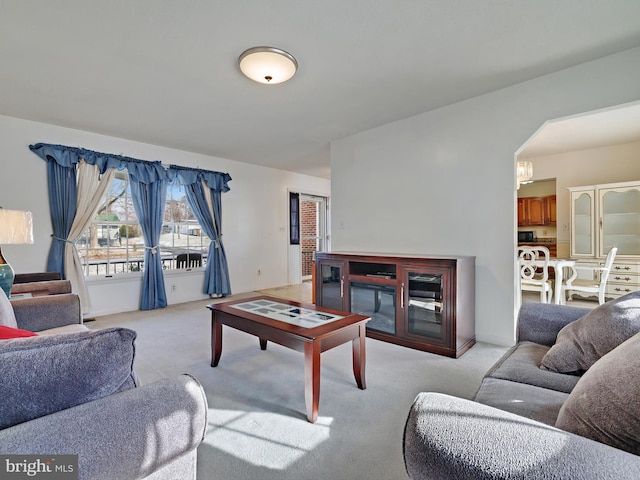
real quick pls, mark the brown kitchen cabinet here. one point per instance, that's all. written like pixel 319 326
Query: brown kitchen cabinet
pixel 537 211
pixel 421 302
pixel 550 205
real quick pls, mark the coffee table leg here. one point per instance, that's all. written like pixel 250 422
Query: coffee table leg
pixel 312 379
pixel 359 357
pixel 216 340
pixel 263 344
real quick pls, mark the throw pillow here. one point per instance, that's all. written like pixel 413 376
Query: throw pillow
pixel 10 332
pixel 604 404
pixel 49 373
pixel 583 342
pixel 7 317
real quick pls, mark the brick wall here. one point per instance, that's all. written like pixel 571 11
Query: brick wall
pixel 308 227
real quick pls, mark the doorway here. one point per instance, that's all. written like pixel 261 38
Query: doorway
pixel 313 231
pixel 590 148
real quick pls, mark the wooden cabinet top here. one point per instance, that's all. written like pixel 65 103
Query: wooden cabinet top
pixel 393 257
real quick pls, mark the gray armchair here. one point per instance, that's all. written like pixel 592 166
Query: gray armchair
pixel 77 394
pixel 147 432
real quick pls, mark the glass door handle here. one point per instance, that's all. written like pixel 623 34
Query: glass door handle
pixel 402 296
pixel 342 287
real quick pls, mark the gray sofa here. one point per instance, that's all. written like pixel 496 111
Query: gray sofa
pixel 523 423
pixel 76 393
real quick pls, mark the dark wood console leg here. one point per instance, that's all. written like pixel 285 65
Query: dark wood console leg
pixel 216 340
pixel 312 379
pixel 358 347
pixel 263 344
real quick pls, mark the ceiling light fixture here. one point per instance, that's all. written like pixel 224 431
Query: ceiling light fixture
pixel 524 173
pixel 267 65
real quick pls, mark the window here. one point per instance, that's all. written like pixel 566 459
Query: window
pixel 182 236
pixel 114 243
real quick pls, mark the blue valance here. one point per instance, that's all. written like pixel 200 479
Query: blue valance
pixel 142 171
pixel 216 181
pixel 69 156
pixel 145 172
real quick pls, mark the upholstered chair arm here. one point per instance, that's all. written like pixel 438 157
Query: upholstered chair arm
pixel 53 287
pixel 447 437
pixel 147 432
pixel 42 313
pixel 541 322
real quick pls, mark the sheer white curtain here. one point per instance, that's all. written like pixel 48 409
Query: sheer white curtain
pixel 91 188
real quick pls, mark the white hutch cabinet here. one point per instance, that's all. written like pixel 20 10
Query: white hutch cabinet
pixel 606 216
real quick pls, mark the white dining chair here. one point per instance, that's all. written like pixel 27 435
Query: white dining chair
pixel 596 281
pixel 533 263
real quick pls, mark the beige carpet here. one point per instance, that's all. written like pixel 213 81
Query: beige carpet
pixel 257 422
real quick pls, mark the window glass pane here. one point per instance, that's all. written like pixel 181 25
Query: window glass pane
pixel 182 236
pixel 114 243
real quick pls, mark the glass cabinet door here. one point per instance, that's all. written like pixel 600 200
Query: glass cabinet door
pixel 620 220
pixel 582 231
pixel 331 285
pixel 423 292
pixel 375 301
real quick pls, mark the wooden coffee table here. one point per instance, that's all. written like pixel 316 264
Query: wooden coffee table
pixel 301 327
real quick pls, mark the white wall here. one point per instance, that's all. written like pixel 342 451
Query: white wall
pixel 615 163
pixel 255 212
pixel 443 182
pixel 539 188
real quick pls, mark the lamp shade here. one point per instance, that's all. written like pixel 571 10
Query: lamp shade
pixel 16 227
pixel 267 65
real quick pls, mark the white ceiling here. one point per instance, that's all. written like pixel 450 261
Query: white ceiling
pixel 165 71
pixel 595 129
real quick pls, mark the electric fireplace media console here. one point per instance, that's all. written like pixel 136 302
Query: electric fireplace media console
pixel 421 302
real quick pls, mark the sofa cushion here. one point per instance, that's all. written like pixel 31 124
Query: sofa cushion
pixel 522 364
pixel 10 332
pixel 536 403
pixel 73 328
pixel 583 342
pixel 604 405
pixel 48 373
pixel 7 317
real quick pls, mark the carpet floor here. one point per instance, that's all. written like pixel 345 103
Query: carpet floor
pixel 257 422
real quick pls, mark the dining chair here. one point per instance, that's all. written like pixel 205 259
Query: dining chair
pixel 533 263
pixel 189 260
pixel 597 283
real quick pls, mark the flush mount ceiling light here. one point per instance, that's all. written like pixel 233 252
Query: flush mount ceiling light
pixel 267 65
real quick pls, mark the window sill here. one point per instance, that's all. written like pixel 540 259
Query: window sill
pixel 136 276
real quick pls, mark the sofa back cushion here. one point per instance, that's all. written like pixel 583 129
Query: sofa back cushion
pixel 604 404
pixel 7 317
pixel 49 373
pixel 583 342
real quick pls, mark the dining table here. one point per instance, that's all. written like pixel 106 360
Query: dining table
pixel 558 265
